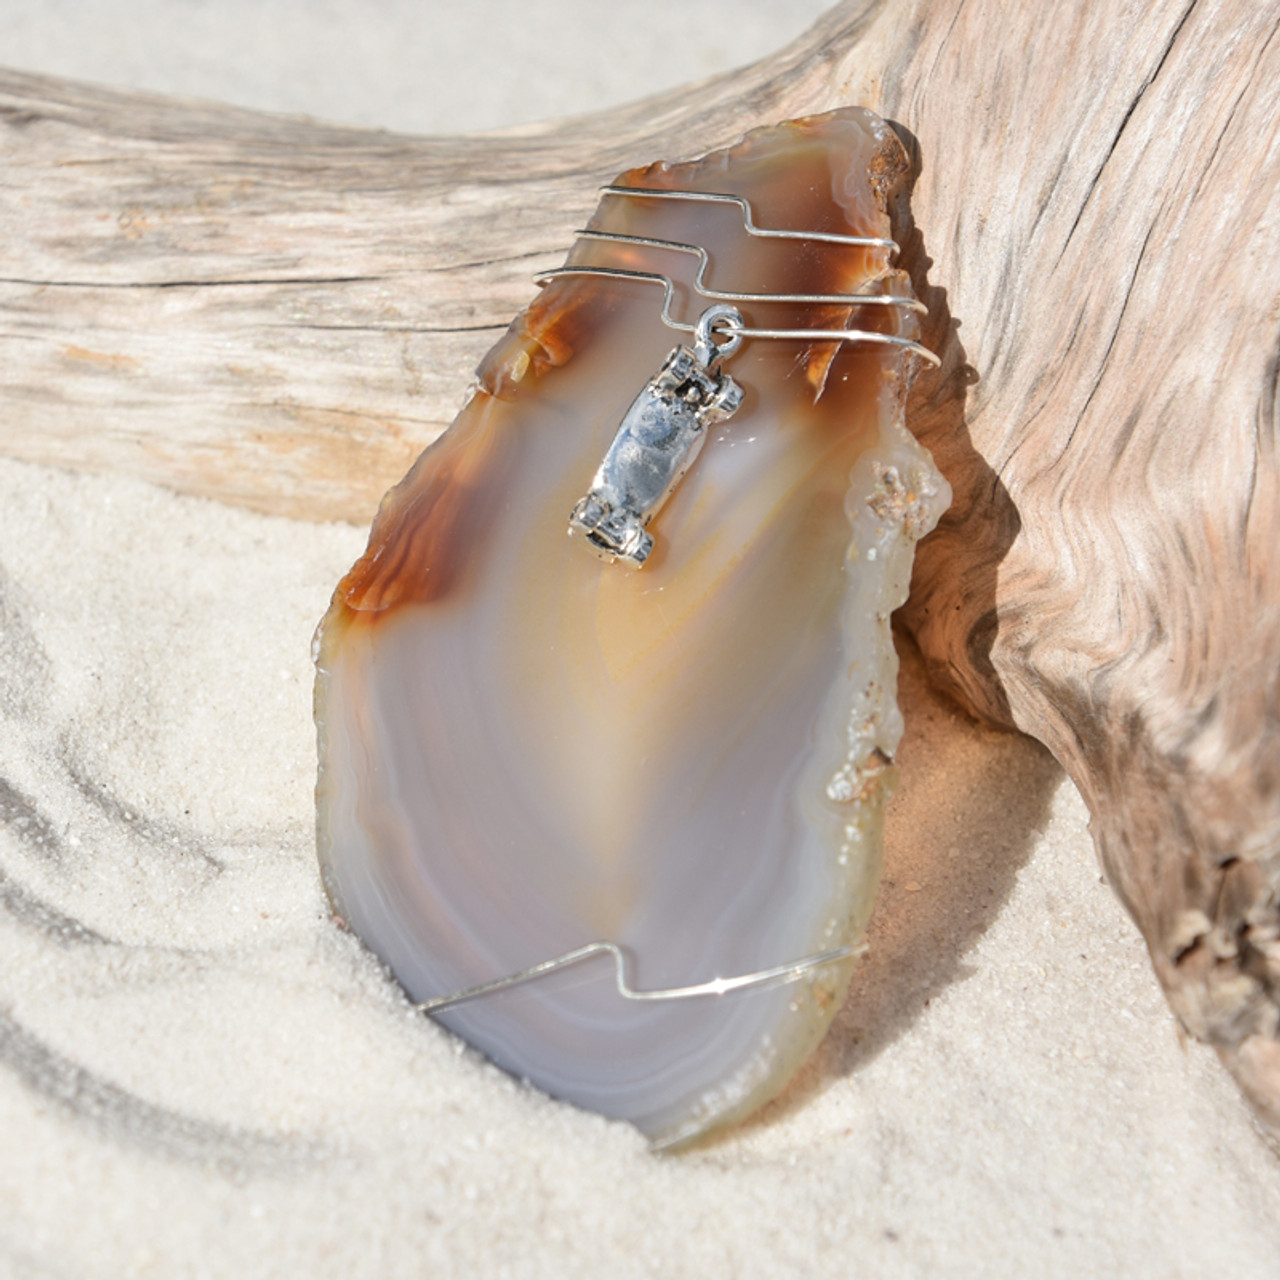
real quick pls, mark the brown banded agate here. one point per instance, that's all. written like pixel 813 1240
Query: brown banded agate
pixel 524 749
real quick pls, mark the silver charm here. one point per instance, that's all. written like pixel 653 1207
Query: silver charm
pixel 660 436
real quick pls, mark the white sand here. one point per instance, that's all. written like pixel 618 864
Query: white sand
pixel 201 1076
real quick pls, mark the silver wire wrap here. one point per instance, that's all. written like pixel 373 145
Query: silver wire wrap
pixel 777 976
pixel 728 327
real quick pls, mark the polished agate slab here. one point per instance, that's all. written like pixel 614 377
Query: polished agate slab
pixel 525 749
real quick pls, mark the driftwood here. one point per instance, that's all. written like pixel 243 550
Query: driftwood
pixel 281 314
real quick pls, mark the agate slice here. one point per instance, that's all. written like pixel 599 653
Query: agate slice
pixel 525 749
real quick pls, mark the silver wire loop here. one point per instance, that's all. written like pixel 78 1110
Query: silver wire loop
pixel 777 976
pixel 721 322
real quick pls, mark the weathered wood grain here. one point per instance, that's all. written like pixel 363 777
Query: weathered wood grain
pixel 279 313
